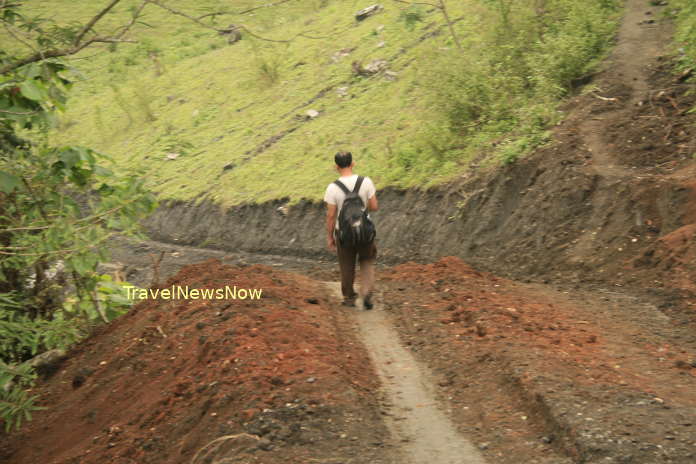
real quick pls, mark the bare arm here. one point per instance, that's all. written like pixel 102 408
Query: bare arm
pixel 330 224
pixel 372 203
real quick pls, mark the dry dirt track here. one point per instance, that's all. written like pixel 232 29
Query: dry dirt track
pixel 415 417
pixel 513 372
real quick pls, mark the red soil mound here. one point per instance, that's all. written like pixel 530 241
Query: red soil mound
pixel 171 376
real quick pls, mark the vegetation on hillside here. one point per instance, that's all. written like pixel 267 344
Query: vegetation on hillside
pixel 684 12
pixel 59 205
pixel 201 118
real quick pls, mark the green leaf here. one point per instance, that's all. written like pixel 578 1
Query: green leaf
pixel 70 157
pixel 9 182
pixel 31 90
pixel 32 70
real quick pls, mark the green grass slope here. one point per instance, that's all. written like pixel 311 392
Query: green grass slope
pixel 201 118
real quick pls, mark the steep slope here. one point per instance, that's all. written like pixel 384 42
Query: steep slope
pixel 606 201
pixel 413 96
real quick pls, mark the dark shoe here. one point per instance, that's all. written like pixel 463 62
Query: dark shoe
pixel 350 302
pixel 367 302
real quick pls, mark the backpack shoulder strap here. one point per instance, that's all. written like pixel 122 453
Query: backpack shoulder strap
pixel 358 183
pixel 342 186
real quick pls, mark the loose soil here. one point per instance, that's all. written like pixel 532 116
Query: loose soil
pixel 532 371
pixel 275 380
pixel 588 356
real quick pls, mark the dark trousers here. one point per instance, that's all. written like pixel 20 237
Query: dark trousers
pixel 366 255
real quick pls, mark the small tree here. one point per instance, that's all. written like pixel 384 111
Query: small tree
pixel 58 207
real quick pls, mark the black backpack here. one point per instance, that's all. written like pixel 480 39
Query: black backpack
pixel 354 226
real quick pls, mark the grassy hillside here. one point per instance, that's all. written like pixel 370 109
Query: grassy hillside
pixel 204 119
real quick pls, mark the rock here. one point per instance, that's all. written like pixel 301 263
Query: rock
pixel 686 75
pixel 282 210
pixel 311 380
pixel 681 364
pixel 369 11
pixel 47 363
pixel 81 376
pixel 342 91
pixel 336 57
pixel 312 114
pixel 372 68
pixel 264 444
pixel 390 75
pixel 376 66
pixel 233 32
pixel 228 166
pixel 172 156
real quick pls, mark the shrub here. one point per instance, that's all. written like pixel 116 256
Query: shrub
pixel 509 84
pixel 411 16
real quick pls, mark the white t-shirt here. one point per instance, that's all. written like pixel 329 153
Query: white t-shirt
pixel 335 196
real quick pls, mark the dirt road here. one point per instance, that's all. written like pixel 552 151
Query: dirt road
pixel 454 364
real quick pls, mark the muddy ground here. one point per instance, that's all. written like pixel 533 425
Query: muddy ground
pixel 559 328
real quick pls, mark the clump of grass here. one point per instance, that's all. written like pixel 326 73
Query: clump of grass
pixel 684 12
pixel 412 16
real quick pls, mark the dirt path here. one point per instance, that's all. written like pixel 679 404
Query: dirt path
pixel 530 373
pixel 640 35
pixel 416 418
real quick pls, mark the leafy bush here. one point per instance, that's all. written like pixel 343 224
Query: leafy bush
pixel 507 85
pixel 58 207
pixel 16 405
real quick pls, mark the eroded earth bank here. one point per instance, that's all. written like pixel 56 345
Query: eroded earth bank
pixel 540 312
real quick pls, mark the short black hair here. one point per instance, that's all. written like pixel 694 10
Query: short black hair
pixel 343 159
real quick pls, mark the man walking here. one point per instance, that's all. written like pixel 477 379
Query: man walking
pixel 364 249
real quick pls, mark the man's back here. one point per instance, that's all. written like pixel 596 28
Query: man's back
pixel 365 252
pixel 335 196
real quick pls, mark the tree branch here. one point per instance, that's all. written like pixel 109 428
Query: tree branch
pixel 443 8
pixel 240 26
pixel 55 53
pixel 268 5
pixel 179 13
pixel 79 45
pixel 94 21
pixel 19 113
pixel 417 3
